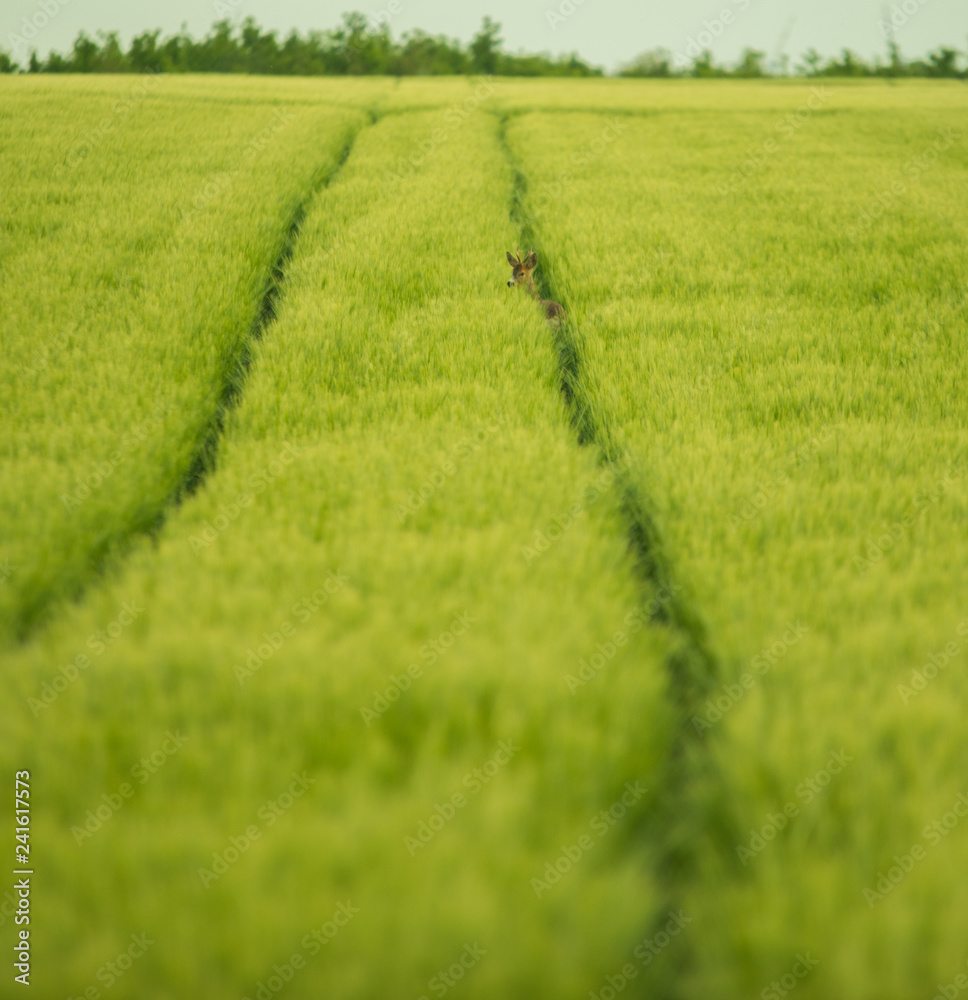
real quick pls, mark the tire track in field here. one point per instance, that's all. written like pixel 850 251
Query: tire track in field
pixel 237 368
pixel 36 611
pixel 691 665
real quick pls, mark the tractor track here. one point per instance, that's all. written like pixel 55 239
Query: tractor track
pixel 690 665
pixel 37 607
pixel 236 371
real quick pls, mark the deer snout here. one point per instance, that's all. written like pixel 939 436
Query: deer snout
pixel 510 282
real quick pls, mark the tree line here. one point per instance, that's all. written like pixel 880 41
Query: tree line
pixel 357 47
pixel 943 62
pixel 362 46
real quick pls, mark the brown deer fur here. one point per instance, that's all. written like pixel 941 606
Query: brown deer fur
pixel 522 275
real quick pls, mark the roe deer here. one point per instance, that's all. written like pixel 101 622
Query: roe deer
pixel 522 273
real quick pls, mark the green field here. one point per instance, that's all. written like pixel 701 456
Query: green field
pixel 391 642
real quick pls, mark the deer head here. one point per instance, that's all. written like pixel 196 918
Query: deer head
pixel 522 271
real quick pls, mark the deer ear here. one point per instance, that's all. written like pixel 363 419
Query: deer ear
pixel 531 261
pixel 512 260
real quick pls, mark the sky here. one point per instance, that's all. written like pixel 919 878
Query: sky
pixel 606 33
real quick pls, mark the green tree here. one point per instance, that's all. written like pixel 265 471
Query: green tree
pixel 143 52
pixel 85 54
pixel 260 51
pixel 655 63
pixel 850 65
pixel 895 65
pixel 943 62
pixel 811 65
pixel 217 52
pixel 110 56
pixel 703 65
pixel 486 47
pixel 750 64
